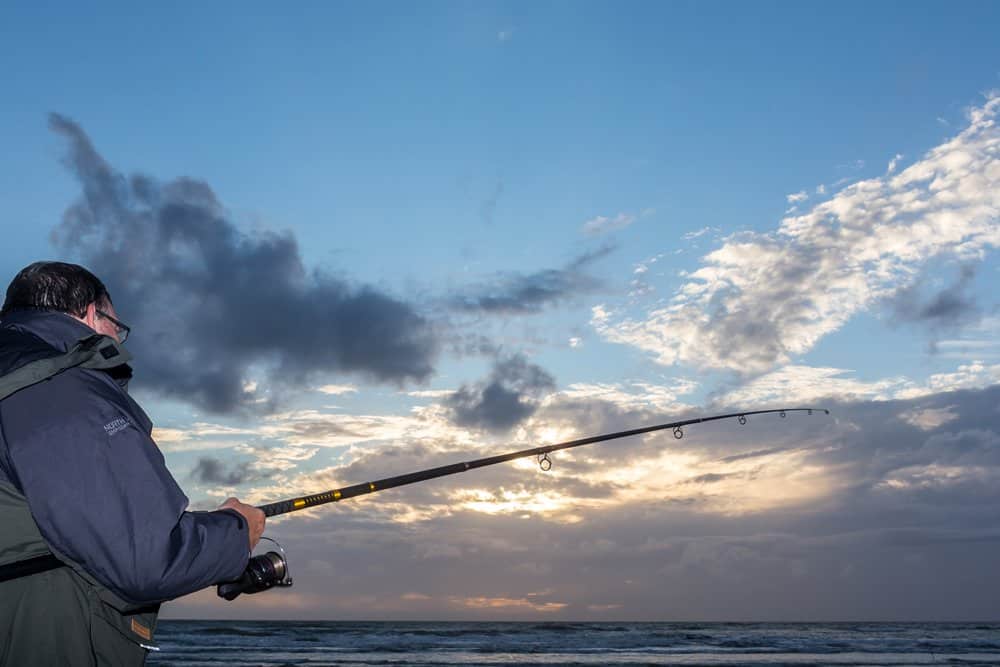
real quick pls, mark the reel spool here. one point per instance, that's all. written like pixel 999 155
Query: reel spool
pixel 262 572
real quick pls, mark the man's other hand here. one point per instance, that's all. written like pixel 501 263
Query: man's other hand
pixel 254 517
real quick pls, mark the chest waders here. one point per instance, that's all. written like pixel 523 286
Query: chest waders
pixel 95 626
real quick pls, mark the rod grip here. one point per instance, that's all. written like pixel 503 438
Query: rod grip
pixel 280 507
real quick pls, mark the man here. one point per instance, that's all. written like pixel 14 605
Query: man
pixel 81 479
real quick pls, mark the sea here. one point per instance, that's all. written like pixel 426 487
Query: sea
pixel 285 643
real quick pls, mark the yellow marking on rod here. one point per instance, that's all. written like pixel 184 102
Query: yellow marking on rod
pixel 371 486
pixel 299 503
pixel 336 495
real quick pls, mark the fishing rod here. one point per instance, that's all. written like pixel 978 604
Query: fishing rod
pixel 271 569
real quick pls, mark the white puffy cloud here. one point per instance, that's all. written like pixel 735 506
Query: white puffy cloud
pixel 797 197
pixel 603 224
pixel 928 419
pixel 661 397
pixel 804 384
pixel 333 429
pixel 699 232
pixel 199 436
pixel 975 375
pixel 762 298
pixel 430 393
pixel 337 389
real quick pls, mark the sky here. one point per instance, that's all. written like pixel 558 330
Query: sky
pixel 357 240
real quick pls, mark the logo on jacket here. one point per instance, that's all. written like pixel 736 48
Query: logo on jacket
pixel 116 425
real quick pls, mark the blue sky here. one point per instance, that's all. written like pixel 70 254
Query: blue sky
pixel 654 193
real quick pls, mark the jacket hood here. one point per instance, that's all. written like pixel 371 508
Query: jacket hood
pixel 57 330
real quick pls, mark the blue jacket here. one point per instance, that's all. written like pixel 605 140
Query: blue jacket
pixel 79 449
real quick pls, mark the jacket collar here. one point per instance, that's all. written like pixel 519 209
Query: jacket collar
pixel 59 330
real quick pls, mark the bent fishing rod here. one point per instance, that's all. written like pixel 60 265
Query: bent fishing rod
pixel 271 569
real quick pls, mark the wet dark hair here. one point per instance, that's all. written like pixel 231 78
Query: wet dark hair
pixel 67 288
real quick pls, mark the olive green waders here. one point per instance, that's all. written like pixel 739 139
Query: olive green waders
pixel 62 617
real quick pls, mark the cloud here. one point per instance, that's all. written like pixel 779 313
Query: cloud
pixel 893 163
pixel 198 436
pixel 430 393
pixel 208 301
pixel 279 458
pixel 788 503
pixel 659 397
pixel 974 375
pixel 797 197
pixel 530 293
pixel 507 397
pixel 761 298
pixel 323 429
pixel 690 236
pixel 336 389
pixel 508 603
pixel 928 419
pixel 603 225
pixel 712 477
pixel 754 454
pixel 948 309
pixel 810 384
pixel 415 596
pixel 977 342
pixel 871 511
pixel 210 470
pixel 638 285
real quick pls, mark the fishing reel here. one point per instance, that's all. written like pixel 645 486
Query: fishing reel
pixel 262 572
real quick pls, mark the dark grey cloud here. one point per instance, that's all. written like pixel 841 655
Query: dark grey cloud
pixel 713 477
pixel 510 294
pixel 466 344
pixel 210 470
pixel 752 455
pixel 208 301
pixel 507 397
pixel 946 309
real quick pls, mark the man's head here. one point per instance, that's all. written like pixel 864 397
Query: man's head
pixel 64 288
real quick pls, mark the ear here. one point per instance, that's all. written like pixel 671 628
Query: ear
pixel 90 316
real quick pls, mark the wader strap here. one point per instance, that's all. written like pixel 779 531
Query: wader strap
pixel 27 567
pixel 96 351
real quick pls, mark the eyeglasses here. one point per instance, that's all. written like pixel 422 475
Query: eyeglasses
pixel 121 328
